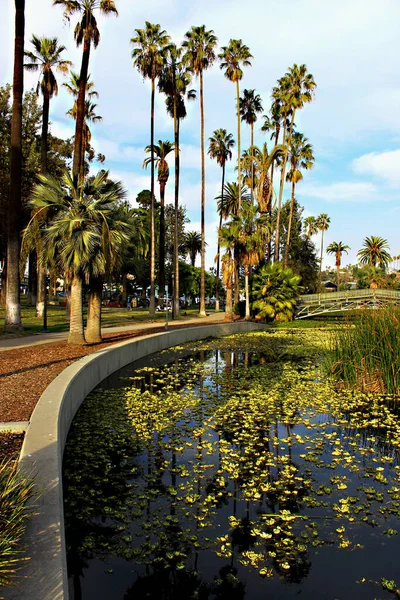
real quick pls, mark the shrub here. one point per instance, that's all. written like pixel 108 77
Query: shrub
pixel 366 355
pixel 15 491
pixel 240 308
pixel 275 292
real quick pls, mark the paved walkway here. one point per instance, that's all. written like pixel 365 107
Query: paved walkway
pixel 48 338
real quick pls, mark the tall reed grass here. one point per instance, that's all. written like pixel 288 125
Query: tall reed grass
pixel 15 491
pixel 365 354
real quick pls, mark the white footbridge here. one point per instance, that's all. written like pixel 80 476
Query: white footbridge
pixel 311 305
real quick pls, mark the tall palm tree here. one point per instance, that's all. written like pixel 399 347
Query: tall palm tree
pixel 311 225
pixel 161 151
pixel 192 245
pixel 250 105
pixel 219 149
pixel 300 157
pixel 374 251
pixel 199 47
pixel 45 57
pixel 294 90
pixel 76 233
pixel 233 58
pixel 228 202
pixel 86 32
pixel 174 81
pixel 228 241
pixel 262 161
pixel 149 54
pixel 337 248
pixel 322 223
pixel 13 307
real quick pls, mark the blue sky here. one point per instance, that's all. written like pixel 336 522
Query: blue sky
pixel 351 48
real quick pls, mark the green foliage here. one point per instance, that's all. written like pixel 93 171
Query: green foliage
pixel 366 355
pixel 15 492
pixel 374 252
pixel 275 291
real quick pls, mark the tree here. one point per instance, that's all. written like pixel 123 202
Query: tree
pixel 233 58
pixel 76 232
pixel 337 248
pixel 149 53
pixel 199 46
pixel 13 307
pixel 311 225
pixel 228 241
pixel 300 157
pixel 275 292
pixel 45 57
pixel 374 251
pixel 86 32
pixel 220 149
pixel 228 202
pixel 161 151
pixel 322 224
pixel 193 245
pixel 250 105
pixel 294 90
pixel 262 161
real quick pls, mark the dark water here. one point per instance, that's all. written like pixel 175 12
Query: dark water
pixel 211 490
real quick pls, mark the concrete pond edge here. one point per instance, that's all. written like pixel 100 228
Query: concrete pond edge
pixel 44 576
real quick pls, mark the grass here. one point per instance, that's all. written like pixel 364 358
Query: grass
pixel 15 491
pixel 365 354
pixel 56 320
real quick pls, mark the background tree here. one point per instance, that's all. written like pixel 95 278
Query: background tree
pixel 374 251
pixel 322 223
pixel 250 105
pixel 220 149
pixel 199 46
pixel 300 157
pixel 149 53
pixel 161 151
pixel 13 307
pixel 193 245
pixel 233 58
pixel 311 225
pixel 86 32
pixel 337 248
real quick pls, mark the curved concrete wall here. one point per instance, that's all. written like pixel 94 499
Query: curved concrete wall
pixel 45 575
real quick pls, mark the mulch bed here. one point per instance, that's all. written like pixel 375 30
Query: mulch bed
pixel 10 445
pixel 26 372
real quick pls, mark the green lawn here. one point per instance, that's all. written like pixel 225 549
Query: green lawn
pixel 111 317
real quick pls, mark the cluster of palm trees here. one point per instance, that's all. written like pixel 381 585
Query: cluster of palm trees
pixel 249 205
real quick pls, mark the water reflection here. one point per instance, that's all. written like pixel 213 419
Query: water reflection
pixel 215 477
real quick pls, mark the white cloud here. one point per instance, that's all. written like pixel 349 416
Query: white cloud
pixel 383 165
pixel 339 191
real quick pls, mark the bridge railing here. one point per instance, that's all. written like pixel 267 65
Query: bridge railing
pixel 349 295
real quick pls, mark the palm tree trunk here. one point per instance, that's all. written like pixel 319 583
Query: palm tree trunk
pixel 124 300
pixel 13 307
pixel 80 108
pixel 322 249
pixel 76 335
pixel 238 145
pixel 45 130
pixel 252 163
pixel 286 258
pixel 228 308
pixel 219 244
pixel 176 220
pixel 161 263
pixel 152 307
pixel 202 312
pixel 282 182
pixel 236 271
pixel 32 278
pixel 93 326
pixel 41 272
pixel 338 276
pixel 41 290
pixel 269 249
pixel 246 278
pixel 3 283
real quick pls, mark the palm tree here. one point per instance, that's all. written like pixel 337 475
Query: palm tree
pixel 228 241
pixel 300 157
pixel 294 90
pixel 193 245
pixel 149 54
pixel 311 225
pixel 174 82
pixel 13 307
pixel 250 105
pixel 374 251
pixel 86 32
pixel 262 161
pixel 337 248
pixel 219 149
pixel 45 57
pixel 199 46
pixel 233 58
pixel 228 202
pixel 76 236
pixel 322 223
pixel 161 150
pixel 276 290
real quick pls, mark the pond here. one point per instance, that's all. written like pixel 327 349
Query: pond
pixel 233 469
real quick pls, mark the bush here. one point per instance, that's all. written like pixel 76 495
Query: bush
pixel 240 308
pixel 275 290
pixel 15 491
pixel 366 356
